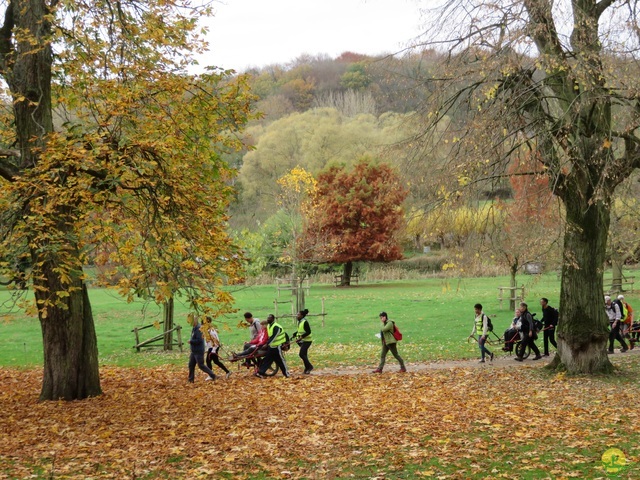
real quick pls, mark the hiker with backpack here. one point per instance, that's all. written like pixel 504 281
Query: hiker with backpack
pixel 549 324
pixel 614 314
pixel 482 326
pixel 529 334
pixel 389 336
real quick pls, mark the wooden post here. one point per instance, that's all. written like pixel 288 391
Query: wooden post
pixel 178 329
pixel 135 330
pixel 322 312
pixel 168 309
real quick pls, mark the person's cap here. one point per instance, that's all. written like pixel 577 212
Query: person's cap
pixel 383 314
pixel 620 297
pixel 607 298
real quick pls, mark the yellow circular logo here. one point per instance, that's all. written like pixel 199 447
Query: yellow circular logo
pixel 613 460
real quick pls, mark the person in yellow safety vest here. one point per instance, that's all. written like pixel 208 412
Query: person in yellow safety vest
pixel 627 317
pixel 481 329
pixel 303 339
pixel 277 338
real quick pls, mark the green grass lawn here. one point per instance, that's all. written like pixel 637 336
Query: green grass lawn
pixel 435 315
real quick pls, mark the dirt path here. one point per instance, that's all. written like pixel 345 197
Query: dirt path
pixel 501 361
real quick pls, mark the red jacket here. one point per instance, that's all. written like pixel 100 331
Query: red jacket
pixel 261 339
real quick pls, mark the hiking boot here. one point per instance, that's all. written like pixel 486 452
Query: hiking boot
pixel 209 378
pixel 518 359
pixel 537 357
pixel 624 350
pixel 491 357
pixel 610 352
pixel 228 374
pixel 481 360
pixel 403 370
pixel 377 370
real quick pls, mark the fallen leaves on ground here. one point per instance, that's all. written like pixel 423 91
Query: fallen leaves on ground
pixel 151 423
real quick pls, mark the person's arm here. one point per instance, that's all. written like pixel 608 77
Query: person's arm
pixel 387 327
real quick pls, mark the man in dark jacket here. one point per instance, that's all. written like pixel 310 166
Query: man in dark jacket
pixel 549 324
pixel 528 334
pixel 197 351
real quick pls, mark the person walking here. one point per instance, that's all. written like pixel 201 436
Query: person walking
pixel 254 325
pixel 196 343
pixel 277 338
pixel 213 346
pixel 627 317
pixel 549 324
pixel 529 335
pixel 303 339
pixel 614 315
pixel 389 343
pixel 481 328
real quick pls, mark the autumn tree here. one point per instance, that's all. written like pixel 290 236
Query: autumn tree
pixel 109 146
pixel 559 79
pixel 357 216
pixel 526 228
pixel 311 140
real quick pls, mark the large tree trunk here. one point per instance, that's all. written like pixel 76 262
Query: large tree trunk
pixel 70 347
pixel 346 274
pixel 583 326
pixel 69 339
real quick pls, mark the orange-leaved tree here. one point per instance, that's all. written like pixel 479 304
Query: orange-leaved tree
pixel 110 146
pixel 357 215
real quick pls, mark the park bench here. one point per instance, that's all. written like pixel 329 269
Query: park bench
pixel 353 279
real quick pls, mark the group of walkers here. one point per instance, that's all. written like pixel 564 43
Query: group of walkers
pixel 521 334
pixel 621 323
pixel 523 331
pixel 268 341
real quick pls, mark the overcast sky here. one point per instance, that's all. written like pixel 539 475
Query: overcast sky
pixel 255 33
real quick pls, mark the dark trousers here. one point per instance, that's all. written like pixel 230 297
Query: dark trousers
pixel 527 341
pixel 304 355
pixel 274 355
pixel 198 359
pixel 549 336
pixel 614 334
pixel 213 357
pixel 511 336
pixel 393 348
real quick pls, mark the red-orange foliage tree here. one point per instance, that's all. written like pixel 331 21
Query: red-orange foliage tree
pixel 356 216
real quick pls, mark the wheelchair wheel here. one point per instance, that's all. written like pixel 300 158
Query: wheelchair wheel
pixel 272 370
pixel 526 353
